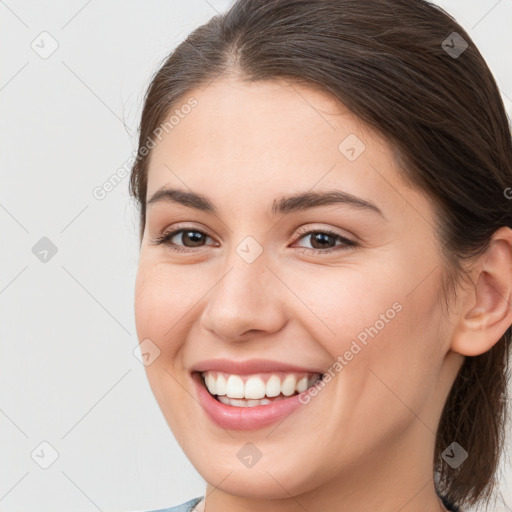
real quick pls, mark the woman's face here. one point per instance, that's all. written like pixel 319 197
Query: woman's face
pixel 358 298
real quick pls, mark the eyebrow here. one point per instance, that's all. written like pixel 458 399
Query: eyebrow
pixel 286 204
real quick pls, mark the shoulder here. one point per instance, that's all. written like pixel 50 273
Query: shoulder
pixel 184 507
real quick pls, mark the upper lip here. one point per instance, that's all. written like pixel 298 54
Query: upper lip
pixel 249 366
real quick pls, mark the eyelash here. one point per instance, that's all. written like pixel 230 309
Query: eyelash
pixel 165 238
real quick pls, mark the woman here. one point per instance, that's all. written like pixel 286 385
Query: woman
pixel 325 260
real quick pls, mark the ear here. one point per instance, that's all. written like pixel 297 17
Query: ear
pixel 487 305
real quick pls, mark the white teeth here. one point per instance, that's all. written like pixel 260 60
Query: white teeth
pixel 221 385
pixel 243 403
pixel 234 387
pixel 273 387
pixel 211 383
pixel 302 385
pixel 288 385
pixel 254 388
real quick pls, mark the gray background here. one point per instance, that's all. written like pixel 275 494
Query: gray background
pixel 68 373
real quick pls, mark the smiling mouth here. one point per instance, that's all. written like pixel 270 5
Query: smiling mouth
pixel 257 389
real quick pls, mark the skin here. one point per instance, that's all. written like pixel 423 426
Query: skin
pixel 366 441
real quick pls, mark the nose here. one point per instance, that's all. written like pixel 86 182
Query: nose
pixel 247 300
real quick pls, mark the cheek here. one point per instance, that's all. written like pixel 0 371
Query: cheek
pixel 164 300
pixel 400 357
pixel 347 303
pixel 382 336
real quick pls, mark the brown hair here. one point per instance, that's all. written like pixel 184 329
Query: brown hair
pixel 398 65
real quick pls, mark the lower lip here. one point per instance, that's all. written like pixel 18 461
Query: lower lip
pixel 245 418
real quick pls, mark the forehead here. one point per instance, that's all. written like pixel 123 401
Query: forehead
pixel 232 116
pixel 248 140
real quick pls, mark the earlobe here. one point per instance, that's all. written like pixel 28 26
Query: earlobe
pixel 488 311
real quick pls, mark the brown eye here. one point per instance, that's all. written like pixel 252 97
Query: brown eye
pixel 190 239
pixel 324 241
